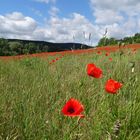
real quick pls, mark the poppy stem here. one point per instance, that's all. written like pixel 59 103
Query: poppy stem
pixel 78 122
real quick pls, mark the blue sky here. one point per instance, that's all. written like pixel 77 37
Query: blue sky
pixel 28 8
pixel 68 20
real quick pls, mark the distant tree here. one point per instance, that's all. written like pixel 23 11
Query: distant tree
pixel 32 47
pixel 112 41
pixel 126 40
pixel 107 41
pixel 3 42
pixel 136 38
pixel 137 35
pixel 4 47
pixel 16 48
pixel 102 42
pixel 43 48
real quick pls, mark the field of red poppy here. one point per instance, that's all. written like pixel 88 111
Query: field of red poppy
pixel 95 50
pixel 57 96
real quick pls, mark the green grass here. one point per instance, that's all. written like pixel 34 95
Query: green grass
pixel 32 94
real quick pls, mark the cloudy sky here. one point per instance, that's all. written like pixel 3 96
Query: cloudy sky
pixel 69 20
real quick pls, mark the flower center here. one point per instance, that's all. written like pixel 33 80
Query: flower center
pixel 70 110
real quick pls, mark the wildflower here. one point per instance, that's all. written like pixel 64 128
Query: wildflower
pixel 53 61
pixel 132 69
pixel 73 108
pixel 107 54
pixel 94 71
pixel 98 52
pixel 112 86
pixel 110 59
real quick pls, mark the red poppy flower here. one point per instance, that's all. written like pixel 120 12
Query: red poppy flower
pixel 53 61
pixel 99 52
pixel 110 59
pixel 73 108
pixel 57 59
pixel 107 54
pixel 94 71
pixel 112 86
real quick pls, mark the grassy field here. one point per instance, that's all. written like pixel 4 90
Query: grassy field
pixel 33 93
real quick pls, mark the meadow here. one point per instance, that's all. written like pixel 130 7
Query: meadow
pixel 33 92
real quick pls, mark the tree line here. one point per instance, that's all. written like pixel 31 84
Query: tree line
pixel 112 41
pixel 17 47
pixel 11 47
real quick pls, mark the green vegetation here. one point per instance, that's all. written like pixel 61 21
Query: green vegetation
pixel 10 47
pixel 112 41
pixel 33 93
pixel 17 47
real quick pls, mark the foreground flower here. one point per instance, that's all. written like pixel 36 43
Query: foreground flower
pixel 94 71
pixel 112 86
pixel 73 108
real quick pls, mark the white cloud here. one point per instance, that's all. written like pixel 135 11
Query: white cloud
pixel 15 16
pixel 113 11
pixel 121 17
pixel 37 12
pixel 115 5
pixel 68 29
pixel 15 24
pixel 75 28
pixel 54 11
pixel 107 16
pixel 127 28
